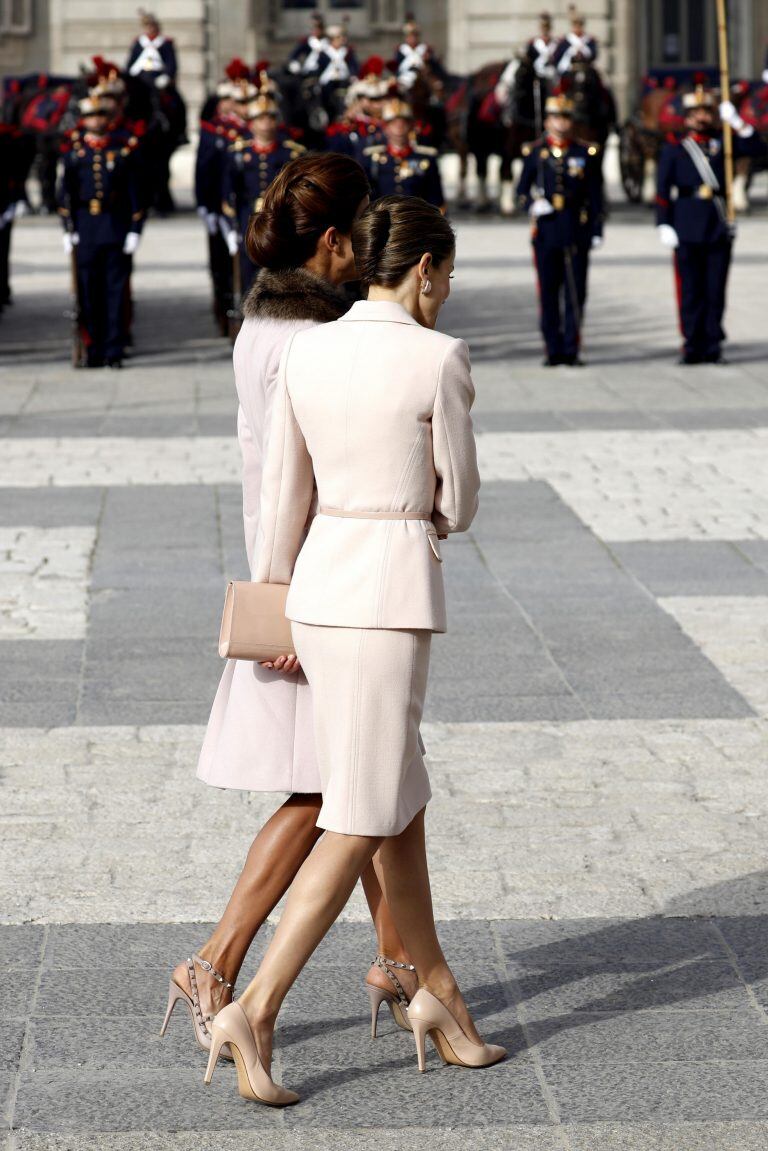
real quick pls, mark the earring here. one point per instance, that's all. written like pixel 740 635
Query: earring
pixel 426 287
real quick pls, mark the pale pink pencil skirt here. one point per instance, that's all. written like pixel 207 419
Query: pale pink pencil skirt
pixel 368 688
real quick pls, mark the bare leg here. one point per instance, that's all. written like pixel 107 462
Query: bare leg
pixel 317 896
pixel 401 865
pixel 274 858
pixel 388 940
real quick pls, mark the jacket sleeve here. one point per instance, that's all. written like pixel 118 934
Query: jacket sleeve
pixel 527 180
pixel 286 491
pixel 453 444
pixel 251 485
pixel 664 185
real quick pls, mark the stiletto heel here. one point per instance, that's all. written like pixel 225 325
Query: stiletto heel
pixel 216 1045
pixel 430 1017
pixel 253 1080
pixel 420 1029
pixel 396 1000
pixel 175 993
pixel 377 996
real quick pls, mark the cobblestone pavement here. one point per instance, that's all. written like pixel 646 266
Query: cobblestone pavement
pixel 596 730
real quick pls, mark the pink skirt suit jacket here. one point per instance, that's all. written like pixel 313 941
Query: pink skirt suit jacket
pixel 371 416
pixel 260 733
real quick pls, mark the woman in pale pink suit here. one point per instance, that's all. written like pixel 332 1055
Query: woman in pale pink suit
pixel 260 733
pixel 372 447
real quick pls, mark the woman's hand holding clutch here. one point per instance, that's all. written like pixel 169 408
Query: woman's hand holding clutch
pixel 286 664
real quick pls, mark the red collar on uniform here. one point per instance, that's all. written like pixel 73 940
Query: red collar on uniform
pixel 96 142
pixel 701 137
pixel 265 149
pixel 552 143
pixel 400 153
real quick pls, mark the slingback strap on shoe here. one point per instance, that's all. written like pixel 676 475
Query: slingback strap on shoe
pixel 387 965
pixel 430 1017
pixel 396 1000
pixel 206 966
pixel 200 1021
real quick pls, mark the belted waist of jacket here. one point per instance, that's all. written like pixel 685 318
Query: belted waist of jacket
pixel 340 513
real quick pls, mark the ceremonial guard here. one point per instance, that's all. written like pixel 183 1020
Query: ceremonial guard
pixel 560 188
pixel 152 56
pixel 691 219
pixel 399 165
pixel 224 126
pixel 577 47
pixel 413 55
pixel 250 167
pixel 13 170
pixel 540 51
pixel 102 216
pixel 337 67
pixel 362 125
pixel 305 58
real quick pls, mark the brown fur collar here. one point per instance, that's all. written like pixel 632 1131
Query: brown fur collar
pixel 294 294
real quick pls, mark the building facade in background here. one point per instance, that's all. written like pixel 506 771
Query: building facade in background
pixel 62 35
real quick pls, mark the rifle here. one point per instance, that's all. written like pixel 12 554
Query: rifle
pixel 76 314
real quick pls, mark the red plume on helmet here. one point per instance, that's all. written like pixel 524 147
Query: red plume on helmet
pixel 237 69
pixel 700 79
pixel 373 66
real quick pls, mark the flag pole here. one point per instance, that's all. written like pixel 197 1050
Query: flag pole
pixel 725 94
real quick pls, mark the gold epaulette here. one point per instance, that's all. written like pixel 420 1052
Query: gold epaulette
pixel 375 149
pixel 425 150
pixel 295 146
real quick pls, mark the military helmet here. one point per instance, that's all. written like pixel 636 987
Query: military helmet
pixel 396 109
pixel 558 106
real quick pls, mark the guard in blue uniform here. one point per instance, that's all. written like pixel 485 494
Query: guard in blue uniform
pixel 399 165
pixel 691 220
pixel 561 189
pixel 14 165
pixel 219 131
pixel 153 56
pixel 100 206
pixel 576 47
pixel 250 166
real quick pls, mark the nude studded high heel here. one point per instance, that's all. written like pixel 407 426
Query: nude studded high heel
pixel 200 1022
pixel 253 1080
pixel 396 1000
pixel 430 1017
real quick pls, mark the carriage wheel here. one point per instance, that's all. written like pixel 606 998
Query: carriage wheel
pixel 631 163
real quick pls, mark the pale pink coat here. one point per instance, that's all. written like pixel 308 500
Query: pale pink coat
pixel 260 733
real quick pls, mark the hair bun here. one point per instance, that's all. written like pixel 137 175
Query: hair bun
pixel 269 240
pixel 374 240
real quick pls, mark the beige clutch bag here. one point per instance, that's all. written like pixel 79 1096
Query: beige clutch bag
pixel 253 625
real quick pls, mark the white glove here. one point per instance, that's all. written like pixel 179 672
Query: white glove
pixel 668 236
pixel 131 243
pixel 69 241
pixel 294 67
pixel 765 76
pixel 729 115
pixel 20 208
pixel 202 211
pixel 232 243
pixel 212 223
pixel 597 241
pixel 162 81
pixel 540 208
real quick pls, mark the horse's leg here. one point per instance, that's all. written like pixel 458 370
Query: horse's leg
pixel 506 191
pixel 481 167
pixel 650 149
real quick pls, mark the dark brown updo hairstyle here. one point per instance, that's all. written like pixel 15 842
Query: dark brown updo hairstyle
pixel 393 234
pixel 309 195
